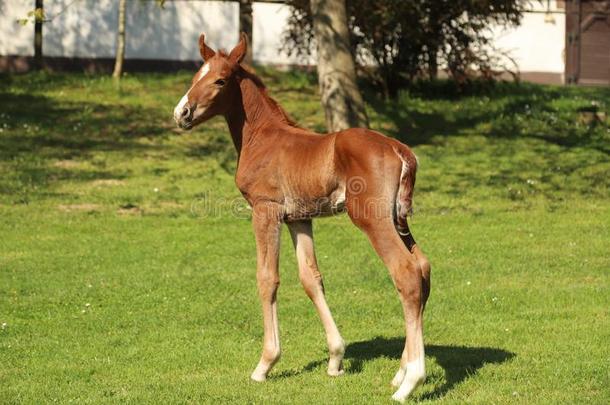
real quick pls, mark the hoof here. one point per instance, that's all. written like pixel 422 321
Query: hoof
pixel 406 388
pixel 258 377
pixel 335 373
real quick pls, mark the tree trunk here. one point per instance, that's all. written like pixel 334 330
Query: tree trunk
pixel 341 98
pixel 245 25
pixel 38 35
pixel 432 64
pixel 120 42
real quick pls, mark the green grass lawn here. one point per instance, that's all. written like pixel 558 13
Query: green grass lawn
pixel 127 262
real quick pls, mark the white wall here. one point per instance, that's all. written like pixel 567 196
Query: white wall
pixel 269 22
pixel 15 40
pixel 536 45
pixel 87 28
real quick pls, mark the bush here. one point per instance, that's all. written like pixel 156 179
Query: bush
pixel 411 39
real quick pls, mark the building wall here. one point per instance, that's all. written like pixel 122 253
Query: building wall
pixel 87 29
pixel 15 40
pixel 537 47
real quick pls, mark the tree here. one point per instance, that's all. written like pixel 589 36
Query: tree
pixel 407 40
pixel 38 16
pixel 120 42
pixel 341 99
pixel 38 19
pixel 245 25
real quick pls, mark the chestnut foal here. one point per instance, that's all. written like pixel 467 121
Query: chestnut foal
pixel 290 175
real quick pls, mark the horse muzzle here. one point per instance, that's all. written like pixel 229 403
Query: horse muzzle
pixel 184 117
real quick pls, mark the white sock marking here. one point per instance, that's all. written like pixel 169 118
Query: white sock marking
pixel 415 375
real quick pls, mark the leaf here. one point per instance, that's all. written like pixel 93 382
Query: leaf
pixel 36 15
pixel 39 15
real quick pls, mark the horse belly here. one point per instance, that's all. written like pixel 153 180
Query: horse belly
pixel 311 207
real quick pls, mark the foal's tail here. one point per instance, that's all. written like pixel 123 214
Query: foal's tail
pixel 404 196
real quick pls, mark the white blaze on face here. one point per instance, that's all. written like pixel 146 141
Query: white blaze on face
pixel 185 99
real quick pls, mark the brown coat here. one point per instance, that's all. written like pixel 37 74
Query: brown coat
pixel 291 175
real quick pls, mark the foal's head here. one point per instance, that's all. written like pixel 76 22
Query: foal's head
pixel 212 86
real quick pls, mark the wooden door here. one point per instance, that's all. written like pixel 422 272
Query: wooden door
pixel 588 42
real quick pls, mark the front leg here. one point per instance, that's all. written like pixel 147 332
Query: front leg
pixel 266 219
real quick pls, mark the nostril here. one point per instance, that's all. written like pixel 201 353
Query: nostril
pixel 185 112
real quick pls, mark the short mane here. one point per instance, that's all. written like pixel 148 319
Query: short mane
pixel 247 72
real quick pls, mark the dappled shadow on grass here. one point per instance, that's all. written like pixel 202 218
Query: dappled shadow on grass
pixel 42 138
pixel 500 110
pixel 519 142
pixel 458 362
pixel 43 122
pixel 289 81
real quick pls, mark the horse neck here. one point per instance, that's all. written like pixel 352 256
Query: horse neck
pixel 251 114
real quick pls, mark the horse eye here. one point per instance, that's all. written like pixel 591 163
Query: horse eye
pixel 220 82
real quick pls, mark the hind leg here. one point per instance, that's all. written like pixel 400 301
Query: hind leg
pixel 424 265
pixel 407 276
pixel 311 279
pixel 422 261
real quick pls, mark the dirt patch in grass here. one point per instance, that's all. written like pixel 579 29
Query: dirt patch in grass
pixel 67 164
pixel 107 183
pixel 79 207
pixel 171 205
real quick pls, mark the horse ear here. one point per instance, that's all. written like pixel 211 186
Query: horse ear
pixel 205 51
pixel 238 53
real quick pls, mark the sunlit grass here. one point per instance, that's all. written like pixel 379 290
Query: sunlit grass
pixel 127 265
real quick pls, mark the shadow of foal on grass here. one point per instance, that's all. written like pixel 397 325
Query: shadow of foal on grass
pixel 458 362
